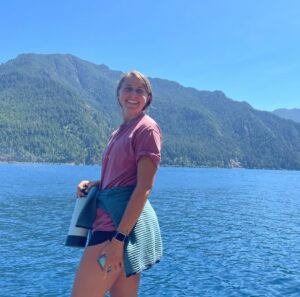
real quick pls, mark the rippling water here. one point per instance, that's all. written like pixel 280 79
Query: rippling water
pixel 226 232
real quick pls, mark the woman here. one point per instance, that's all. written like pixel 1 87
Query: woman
pixel 131 159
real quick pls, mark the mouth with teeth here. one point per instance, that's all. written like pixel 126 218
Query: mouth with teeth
pixel 132 102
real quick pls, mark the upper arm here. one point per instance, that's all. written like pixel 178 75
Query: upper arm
pixel 146 171
pixel 147 143
pixel 147 146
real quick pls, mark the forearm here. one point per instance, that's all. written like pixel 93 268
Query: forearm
pixel 94 183
pixel 115 249
pixel 134 209
pixel 145 179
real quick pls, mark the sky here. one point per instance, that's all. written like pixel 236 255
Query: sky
pixel 249 49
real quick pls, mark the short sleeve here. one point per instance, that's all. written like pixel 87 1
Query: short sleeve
pixel 148 143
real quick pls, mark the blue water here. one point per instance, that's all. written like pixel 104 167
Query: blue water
pixel 226 232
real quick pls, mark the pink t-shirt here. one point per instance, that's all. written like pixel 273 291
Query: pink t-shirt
pixel 137 138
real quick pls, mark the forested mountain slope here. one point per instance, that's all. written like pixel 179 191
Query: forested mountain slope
pixel 59 108
pixel 289 114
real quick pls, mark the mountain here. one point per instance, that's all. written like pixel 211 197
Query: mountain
pixel 59 108
pixel 289 114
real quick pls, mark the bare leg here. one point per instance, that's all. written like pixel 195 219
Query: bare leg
pixel 125 287
pixel 90 280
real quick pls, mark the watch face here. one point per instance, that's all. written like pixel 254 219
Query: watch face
pixel 119 236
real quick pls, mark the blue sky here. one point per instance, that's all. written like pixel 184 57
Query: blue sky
pixel 248 49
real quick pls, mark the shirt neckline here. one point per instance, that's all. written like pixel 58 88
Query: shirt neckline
pixel 132 120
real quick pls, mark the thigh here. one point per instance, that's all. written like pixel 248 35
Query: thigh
pixel 125 286
pixel 89 279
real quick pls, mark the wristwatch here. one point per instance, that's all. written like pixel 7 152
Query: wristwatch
pixel 120 236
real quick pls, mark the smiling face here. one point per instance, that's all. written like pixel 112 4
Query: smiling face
pixel 133 97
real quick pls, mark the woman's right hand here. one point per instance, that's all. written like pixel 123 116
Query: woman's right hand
pixel 86 186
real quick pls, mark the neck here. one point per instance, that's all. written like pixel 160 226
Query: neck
pixel 128 118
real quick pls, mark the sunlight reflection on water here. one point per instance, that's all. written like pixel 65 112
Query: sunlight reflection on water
pixel 225 232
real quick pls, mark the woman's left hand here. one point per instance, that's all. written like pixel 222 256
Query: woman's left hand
pixel 114 252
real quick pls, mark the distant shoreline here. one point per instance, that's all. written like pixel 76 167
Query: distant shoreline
pixel 162 166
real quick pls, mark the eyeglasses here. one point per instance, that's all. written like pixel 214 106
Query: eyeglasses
pixel 138 91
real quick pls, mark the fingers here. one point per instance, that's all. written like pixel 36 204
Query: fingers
pixel 114 258
pixel 113 264
pixel 110 267
pixel 82 188
pixel 119 266
pixel 83 183
pixel 80 192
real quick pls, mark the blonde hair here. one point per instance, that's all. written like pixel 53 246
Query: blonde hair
pixel 143 79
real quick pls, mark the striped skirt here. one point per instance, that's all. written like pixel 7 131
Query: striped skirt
pixel 143 247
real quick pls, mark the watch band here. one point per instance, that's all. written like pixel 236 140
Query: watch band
pixel 120 236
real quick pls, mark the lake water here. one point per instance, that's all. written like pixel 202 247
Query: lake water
pixel 226 232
